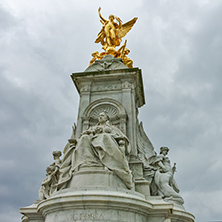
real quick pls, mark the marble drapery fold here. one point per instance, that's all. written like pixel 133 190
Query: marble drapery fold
pixel 104 145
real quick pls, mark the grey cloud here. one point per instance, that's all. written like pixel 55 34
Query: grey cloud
pixel 7 20
pixel 178 47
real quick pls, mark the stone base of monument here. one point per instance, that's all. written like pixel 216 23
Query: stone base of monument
pixel 95 177
pixel 95 205
pixel 98 195
pixel 103 205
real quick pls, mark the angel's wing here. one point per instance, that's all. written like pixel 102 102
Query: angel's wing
pixel 100 36
pixel 126 28
pixel 144 145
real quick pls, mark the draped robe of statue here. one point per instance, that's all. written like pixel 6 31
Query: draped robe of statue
pixel 104 145
pixel 163 178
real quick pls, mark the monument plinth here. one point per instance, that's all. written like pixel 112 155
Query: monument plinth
pixel 109 170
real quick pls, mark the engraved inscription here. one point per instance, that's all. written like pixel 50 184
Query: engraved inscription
pixel 85 217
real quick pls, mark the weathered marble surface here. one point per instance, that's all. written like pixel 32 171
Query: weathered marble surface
pixel 49 184
pixel 158 170
pixel 118 90
pixel 109 170
pixel 106 63
pixel 107 145
pixel 100 146
pixel 163 183
pixel 105 205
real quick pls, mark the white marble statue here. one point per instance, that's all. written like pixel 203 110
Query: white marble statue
pixel 49 184
pixel 157 169
pixel 164 184
pixel 100 145
pixel 104 144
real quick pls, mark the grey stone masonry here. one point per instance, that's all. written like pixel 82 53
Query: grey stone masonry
pixel 118 91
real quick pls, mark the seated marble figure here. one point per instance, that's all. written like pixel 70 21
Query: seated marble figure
pixel 163 183
pixel 104 145
pixel 100 145
pixel 49 184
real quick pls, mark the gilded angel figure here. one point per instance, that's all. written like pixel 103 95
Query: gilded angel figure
pixel 112 32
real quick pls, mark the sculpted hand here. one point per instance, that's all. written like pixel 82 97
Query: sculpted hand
pixel 118 19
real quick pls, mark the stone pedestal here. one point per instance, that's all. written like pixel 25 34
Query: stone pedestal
pixel 105 205
pixel 97 194
pixel 31 213
pixel 97 177
pixel 94 192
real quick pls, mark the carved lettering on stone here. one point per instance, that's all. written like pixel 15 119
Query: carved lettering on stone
pixel 85 217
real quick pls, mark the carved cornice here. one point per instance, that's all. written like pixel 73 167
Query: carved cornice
pixel 106 63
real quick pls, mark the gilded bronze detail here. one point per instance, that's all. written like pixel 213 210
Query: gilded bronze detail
pixel 111 36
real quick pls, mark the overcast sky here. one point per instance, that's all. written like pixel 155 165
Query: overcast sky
pixel 178 46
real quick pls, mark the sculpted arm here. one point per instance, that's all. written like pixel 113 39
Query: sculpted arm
pixel 101 15
pixel 163 168
pixel 159 162
pixel 120 22
pixel 90 131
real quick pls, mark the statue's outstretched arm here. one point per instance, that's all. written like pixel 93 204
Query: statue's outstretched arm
pixel 120 22
pixel 101 15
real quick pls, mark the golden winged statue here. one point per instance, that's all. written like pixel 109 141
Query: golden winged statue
pixel 111 36
pixel 112 32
